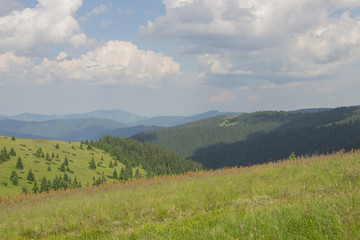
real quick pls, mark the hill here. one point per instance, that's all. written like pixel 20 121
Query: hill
pixel 127 131
pixel 46 157
pixel 259 137
pixel 305 198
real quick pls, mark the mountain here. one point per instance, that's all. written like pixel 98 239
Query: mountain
pixel 128 131
pixel 114 115
pixel 63 129
pixel 259 137
pixel 171 121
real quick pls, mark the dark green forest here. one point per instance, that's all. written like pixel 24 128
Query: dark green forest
pixel 155 160
pixel 260 137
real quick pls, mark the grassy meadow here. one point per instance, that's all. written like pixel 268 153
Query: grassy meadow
pixel 78 160
pixel 307 198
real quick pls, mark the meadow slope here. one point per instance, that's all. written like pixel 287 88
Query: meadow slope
pixel 306 198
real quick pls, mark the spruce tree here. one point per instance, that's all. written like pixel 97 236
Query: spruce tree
pixel 47 156
pixel 39 153
pixel 14 178
pixel 92 164
pixel 24 190
pixel 30 176
pixel 115 176
pixel 49 168
pixel 19 164
pixel 111 164
pixel 57 146
pixel 62 167
pixel 12 152
pixel 122 174
pixel 66 162
pixel 52 155
pixel 35 188
pixel 13 138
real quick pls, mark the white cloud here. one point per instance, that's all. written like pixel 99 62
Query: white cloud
pixel 96 11
pixel 116 62
pixel 225 96
pixel 277 39
pixel 51 22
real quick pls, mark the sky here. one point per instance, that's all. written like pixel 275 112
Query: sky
pixel 178 57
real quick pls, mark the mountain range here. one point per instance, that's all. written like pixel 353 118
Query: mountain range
pixel 92 125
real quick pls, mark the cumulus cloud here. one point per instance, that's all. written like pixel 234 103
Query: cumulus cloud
pixel 116 62
pixel 277 39
pixel 51 22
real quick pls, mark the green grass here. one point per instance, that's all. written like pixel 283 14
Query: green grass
pixel 78 162
pixel 308 198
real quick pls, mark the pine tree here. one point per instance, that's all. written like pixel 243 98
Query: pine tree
pixel 81 146
pixel 4 155
pixel 111 164
pixel 39 153
pixel 49 168
pixel 57 155
pixel 35 188
pixel 92 164
pixel 62 167
pixel 57 146
pixel 24 190
pixel 52 155
pixel 115 176
pixel 30 176
pixel 66 162
pixel 13 138
pixel 103 178
pixel 115 163
pixel 12 152
pixel 19 164
pixel 14 178
pixel 47 156
pixel 122 174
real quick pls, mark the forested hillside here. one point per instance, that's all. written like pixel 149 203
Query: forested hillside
pixel 260 137
pixel 155 160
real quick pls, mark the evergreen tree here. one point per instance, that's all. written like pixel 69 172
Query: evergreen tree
pixel 92 164
pixel 47 156
pixel 111 164
pixel 30 177
pixel 19 164
pixel 39 153
pixel 35 188
pixel 103 178
pixel 14 178
pixel 12 152
pixel 115 175
pixel 81 146
pixel 89 147
pixel 49 168
pixel 52 155
pixel 115 163
pixel 4 155
pixel 13 138
pixel 122 174
pixel 57 146
pixel 66 162
pixel 62 167
pixel 57 155
pixel 24 190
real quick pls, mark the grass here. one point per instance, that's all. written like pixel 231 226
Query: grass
pixel 26 149
pixel 307 198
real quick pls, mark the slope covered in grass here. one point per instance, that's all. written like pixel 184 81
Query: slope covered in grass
pixel 306 198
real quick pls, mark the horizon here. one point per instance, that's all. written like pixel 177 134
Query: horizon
pixel 168 57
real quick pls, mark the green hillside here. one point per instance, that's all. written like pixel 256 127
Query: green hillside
pixel 259 137
pixel 306 198
pixel 128 158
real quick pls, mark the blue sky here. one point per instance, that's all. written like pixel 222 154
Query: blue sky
pixel 177 57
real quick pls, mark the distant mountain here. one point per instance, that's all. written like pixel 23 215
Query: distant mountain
pixel 171 121
pixel 128 131
pixel 311 110
pixel 114 115
pixel 63 129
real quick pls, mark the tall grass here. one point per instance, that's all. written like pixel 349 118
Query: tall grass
pixel 307 198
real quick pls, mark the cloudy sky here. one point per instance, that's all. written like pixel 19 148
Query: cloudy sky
pixel 178 57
